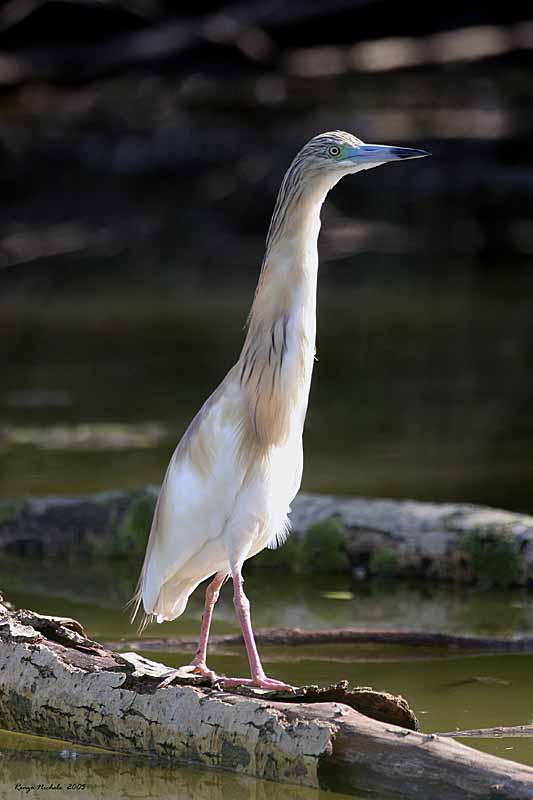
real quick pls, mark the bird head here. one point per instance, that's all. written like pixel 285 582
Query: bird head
pixel 319 165
pixel 337 153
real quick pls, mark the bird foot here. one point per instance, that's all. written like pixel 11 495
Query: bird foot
pixel 193 668
pixel 201 668
pixel 260 682
pixel 169 677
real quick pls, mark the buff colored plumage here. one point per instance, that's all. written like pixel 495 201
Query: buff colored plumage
pixel 228 488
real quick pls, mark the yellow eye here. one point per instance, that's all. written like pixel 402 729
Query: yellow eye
pixel 334 150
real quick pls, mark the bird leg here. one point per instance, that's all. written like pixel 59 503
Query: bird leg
pixel 258 679
pixel 198 665
pixel 211 596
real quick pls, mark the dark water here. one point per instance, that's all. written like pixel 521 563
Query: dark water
pixel 422 389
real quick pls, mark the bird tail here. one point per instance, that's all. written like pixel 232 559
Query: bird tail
pixel 281 536
pixel 170 603
pixel 135 603
pixel 173 597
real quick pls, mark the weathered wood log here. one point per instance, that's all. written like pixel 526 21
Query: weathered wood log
pixel 433 540
pixel 57 682
pixel 298 636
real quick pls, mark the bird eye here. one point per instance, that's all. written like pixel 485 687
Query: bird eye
pixel 334 150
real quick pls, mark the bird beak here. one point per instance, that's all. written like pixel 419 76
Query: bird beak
pixel 379 153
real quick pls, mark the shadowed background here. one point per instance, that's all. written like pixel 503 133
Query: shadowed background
pixel 141 151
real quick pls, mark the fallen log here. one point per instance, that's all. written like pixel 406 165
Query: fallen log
pixel 440 541
pixel 298 636
pixel 58 683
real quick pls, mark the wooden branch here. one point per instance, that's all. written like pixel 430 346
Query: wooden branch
pixel 297 636
pixel 522 731
pixel 57 682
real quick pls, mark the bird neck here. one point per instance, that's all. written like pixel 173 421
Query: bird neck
pixel 288 280
pixel 276 362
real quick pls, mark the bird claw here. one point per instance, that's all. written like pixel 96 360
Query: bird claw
pixel 190 669
pixel 169 677
pixel 202 669
pixel 256 683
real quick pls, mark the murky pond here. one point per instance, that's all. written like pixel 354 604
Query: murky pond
pixel 422 388
pixel 96 399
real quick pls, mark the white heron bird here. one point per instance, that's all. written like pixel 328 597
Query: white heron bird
pixel 227 491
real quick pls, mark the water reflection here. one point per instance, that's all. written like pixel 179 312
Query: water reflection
pixel 30 761
pixel 85 436
pixel 96 591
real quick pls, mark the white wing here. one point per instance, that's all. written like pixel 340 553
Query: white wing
pixel 203 480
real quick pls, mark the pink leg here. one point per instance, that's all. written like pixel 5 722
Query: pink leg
pixel 211 596
pixel 242 607
pixel 198 665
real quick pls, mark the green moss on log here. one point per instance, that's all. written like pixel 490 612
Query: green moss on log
pixel 384 563
pixel 130 537
pixel 493 556
pixel 324 547
pixel 286 557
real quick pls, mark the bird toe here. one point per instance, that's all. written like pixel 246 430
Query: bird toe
pixel 270 684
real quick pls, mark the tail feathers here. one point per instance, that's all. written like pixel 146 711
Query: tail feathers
pixel 170 603
pixel 136 602
pixel 172 599
pixel 281 536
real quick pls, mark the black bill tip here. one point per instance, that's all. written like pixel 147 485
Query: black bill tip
pixel 409 152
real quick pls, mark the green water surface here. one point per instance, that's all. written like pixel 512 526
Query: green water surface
pixel 422 388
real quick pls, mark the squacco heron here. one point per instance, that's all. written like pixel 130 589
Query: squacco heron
pixel 227 491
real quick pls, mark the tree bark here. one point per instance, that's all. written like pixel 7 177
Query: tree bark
pixel 56 682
